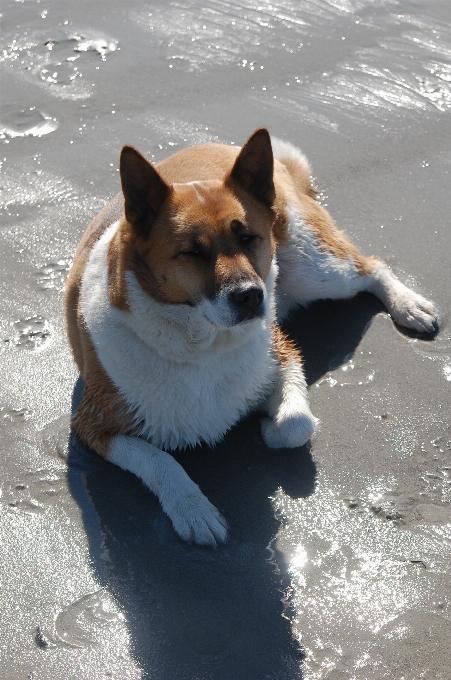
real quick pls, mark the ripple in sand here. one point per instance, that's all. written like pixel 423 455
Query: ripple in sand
pixel 33 492
pixel 28 122
pixel 80 623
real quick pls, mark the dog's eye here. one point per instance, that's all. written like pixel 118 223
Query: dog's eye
pixel 196 250
pixel 246 238
pixel 191 253
pixel 242 235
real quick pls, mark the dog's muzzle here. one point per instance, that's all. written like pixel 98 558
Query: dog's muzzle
pixel 247 303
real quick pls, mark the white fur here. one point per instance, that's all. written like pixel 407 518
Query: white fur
pixel 282 149
pixel 197 191
pixel 193 516
pixel 308 272
pixel 201 187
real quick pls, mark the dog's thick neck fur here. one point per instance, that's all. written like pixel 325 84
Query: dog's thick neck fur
pixel 160 355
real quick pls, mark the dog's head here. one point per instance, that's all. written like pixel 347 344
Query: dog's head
pixel 205 244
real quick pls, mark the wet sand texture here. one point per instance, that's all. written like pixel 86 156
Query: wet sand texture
pixel 338 565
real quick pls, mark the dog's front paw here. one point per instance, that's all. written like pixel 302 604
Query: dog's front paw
pixel 290 432
pixel 194 518
pixel 411 310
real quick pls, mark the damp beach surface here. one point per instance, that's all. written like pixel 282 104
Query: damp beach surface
pixel 338 564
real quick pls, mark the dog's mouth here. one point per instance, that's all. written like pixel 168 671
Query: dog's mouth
pixel 235 307
pixel 241 318
pixel 244 318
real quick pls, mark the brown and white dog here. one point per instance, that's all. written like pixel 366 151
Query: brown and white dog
pixel 173 304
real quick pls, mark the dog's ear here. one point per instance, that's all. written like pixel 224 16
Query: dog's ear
pixel 254 168
pixel 143 188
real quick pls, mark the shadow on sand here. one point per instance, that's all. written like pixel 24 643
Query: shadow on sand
pixel 198 613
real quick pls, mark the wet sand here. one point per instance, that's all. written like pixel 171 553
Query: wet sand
pixel 338 565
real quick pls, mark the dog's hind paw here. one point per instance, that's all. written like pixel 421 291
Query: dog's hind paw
pixel 413 311
pixel 195 519
pixel 407 308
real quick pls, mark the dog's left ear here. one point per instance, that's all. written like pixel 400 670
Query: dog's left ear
pixel 254 168
pixel 144 190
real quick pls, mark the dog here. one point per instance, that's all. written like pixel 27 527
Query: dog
pixel 174 302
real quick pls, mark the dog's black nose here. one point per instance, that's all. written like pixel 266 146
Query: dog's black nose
pixel 249 301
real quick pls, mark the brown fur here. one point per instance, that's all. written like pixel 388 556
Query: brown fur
pixel 300 176
pixel 331 238
pixel 120 253
pixel 285 349
pixel 177 277
pixel 189 245
pixel 102 412
pixel 101 405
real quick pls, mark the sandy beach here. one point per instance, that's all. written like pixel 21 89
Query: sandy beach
pixel 338 565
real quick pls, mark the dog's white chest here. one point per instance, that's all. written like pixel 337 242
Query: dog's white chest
pixel 177 402
pixel 184 404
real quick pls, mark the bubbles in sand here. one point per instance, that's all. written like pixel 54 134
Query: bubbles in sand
pixel 61 73
pixel 53 275
pixel 61 67
pixel 59 59
pixel 67 45
pixel 18 122
pixel 101 45
pixel 14 415
pixel 352 372
pixel 34 332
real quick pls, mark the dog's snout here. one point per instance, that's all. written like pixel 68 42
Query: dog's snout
pixel 249 298
pixel 248 301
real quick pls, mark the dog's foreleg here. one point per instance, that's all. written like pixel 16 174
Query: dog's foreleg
pixel 291 422
pixel 193 517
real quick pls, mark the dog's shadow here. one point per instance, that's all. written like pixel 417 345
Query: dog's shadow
pixel 196 612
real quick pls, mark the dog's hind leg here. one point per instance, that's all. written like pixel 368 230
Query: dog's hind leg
pixel 317 262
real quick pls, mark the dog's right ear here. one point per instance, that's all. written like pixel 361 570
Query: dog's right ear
pixel 254 168
pixel 143 188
